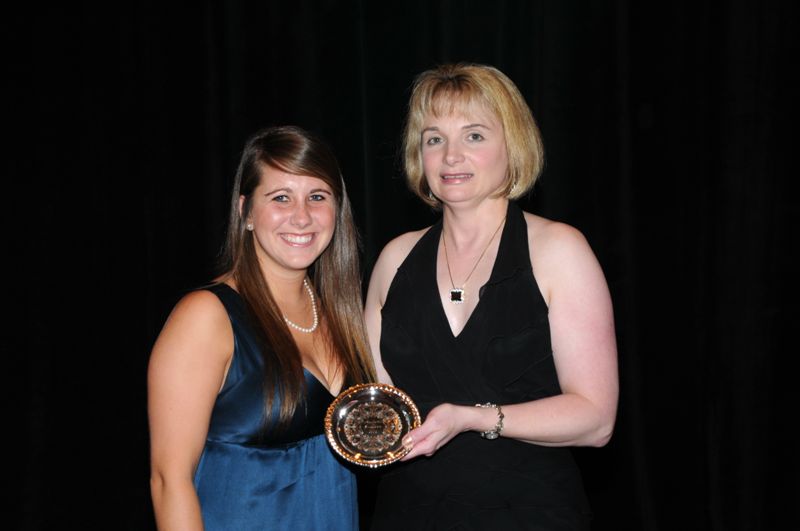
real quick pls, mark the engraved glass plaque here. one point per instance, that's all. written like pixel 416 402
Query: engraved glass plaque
pixel 366 424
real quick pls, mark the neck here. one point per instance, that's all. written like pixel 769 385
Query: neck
pixel 287 288
pixel 466 228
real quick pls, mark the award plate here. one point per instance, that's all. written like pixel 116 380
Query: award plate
pixel 366 424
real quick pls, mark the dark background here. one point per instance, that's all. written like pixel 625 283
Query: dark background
pixel 669 136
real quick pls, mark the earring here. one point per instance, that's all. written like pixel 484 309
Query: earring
pixel 513 188
pixel 249 226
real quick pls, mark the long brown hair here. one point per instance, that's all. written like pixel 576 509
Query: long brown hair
pixel 335 273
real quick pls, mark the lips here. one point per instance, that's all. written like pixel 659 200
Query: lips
pixel 456 176
pixel 297 239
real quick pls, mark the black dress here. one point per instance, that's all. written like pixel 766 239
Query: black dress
pixel 502 355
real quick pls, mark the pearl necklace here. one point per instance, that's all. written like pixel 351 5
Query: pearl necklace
pixel 313 309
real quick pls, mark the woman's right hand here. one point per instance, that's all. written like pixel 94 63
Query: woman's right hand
pixel 444 422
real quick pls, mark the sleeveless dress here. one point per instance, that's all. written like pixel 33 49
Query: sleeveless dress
pixel 502 355
pixel 250 478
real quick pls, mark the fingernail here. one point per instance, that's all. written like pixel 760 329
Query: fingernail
pixel 408 442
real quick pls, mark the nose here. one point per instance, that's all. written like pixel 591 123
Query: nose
pixel 453 153
pixel 301 217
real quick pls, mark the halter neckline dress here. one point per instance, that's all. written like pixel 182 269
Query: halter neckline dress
pixel 502 355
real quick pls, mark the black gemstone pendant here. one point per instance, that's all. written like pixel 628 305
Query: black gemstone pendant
pixel 456 295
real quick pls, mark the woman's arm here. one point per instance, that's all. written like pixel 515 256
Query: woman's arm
pixel 584 351
pixel 187 368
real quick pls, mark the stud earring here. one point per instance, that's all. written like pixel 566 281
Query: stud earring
pixel 250 226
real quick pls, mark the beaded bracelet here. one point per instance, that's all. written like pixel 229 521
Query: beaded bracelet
pixel 495 432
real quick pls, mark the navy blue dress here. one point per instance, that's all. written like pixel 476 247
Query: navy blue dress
pixel 502 355
pixel 248 477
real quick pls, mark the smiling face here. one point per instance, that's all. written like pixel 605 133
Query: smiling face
pixel 293 219
pixel 464 155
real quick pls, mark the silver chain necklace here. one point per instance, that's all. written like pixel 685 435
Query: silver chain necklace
pixel 457 295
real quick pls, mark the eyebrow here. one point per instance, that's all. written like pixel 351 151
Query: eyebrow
pixel 276 190
pixel 289 190
pixel 468 126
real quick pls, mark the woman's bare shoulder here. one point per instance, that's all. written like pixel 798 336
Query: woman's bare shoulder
pixel 549 236
pixel 198 318
pixel 200 303
pixel 398 248
pixel 560 256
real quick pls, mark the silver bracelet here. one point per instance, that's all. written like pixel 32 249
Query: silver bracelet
pixel 494 433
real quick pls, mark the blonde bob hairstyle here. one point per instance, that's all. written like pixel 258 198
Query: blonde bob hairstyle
pixel 456 88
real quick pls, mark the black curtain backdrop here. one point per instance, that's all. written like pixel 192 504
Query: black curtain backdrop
pixel 667 131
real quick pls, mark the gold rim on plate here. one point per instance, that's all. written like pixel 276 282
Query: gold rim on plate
pixel 366 424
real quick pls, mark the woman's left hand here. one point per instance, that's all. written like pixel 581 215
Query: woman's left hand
pixel 444 422
pixel 439 427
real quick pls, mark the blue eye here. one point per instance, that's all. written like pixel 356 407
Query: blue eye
pixel 281 198
pixel 317 197
pixel 432 141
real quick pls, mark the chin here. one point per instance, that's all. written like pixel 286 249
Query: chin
pixel 455 198
pixel 303 262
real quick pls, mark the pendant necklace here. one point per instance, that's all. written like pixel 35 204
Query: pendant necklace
pixel 313 309
pixel 457 294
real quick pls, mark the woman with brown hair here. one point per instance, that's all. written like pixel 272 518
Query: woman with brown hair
pixel 497 322
pixel 243 371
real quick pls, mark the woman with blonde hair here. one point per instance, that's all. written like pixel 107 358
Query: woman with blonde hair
pixel 243 371
pixel 496 321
